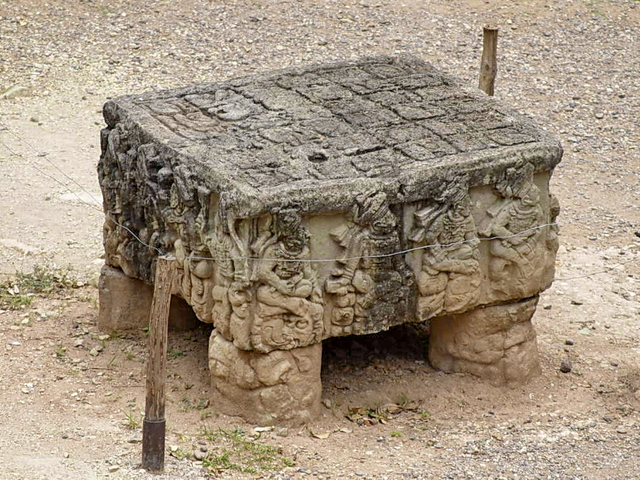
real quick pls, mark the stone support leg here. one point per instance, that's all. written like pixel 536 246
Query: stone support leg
pixel 281 387
pixel 497 343
pixel 125 304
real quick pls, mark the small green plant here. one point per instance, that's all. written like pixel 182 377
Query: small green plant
pixel 60 351
pixel 171 353
pixel 208 433
pixel 424 415
pixel 403 400
pixel 367 416
pixel 187 404
pixel 18 301
pixel 18 292
pixel 237 452
pixel 132 421
pixel 113 334
pixel 107 10
pixel 180 454
pixel 396 434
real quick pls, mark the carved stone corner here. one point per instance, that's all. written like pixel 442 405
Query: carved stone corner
pixel 125 304
pixel 496 343
pixel 280 387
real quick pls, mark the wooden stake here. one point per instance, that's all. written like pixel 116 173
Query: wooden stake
pixel 153 429
pixel 489 63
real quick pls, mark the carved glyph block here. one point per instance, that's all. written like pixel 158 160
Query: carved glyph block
pixel 331 200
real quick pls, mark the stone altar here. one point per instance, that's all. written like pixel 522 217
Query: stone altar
pixel 333 200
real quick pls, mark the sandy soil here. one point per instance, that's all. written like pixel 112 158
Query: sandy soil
pixel 72 397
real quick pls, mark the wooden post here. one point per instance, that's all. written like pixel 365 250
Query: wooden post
pixel 153 429
pixel 489 63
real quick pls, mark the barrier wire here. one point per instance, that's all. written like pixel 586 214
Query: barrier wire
pixel 252 258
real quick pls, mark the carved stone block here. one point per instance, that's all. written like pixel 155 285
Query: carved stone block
pixel 331 200
pixel 274 388
pixel 497 343
pixel 125 304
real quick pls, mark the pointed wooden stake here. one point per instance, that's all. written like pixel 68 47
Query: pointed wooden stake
pixel 153 429
pixel 489 63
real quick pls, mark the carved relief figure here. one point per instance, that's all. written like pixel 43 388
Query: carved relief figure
pixel 194 281
pixel 289 300
pixel 365 274
pixel 117 247
pixel 198 270
pixel 230 294
pixel 197 284
pixel 514 258
pixel 551 242
pixel 552 234
pixel 450 272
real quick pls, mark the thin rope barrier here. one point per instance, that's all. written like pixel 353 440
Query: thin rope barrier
pixel 218 259
pixel 382 255
pixel 90 205
pixel 44 155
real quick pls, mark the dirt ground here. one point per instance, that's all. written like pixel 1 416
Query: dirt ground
pixel 72 396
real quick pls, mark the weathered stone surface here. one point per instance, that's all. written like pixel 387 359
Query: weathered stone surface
pixel 281 387
pixel 330 200
pixel 366 159
pixel 125 304
pixel 497 343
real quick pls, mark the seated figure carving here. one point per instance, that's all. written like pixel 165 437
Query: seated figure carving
pixel 290 307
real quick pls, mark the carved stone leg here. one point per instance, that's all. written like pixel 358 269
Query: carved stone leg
pixel 125 304
pixel 281 387
pixel 496 343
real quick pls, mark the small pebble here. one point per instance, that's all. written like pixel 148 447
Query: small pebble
pixel 565 366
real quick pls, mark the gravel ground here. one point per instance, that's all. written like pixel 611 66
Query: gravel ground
pixel 571 65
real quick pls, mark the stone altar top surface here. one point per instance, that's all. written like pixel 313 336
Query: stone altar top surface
pixel 319 135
